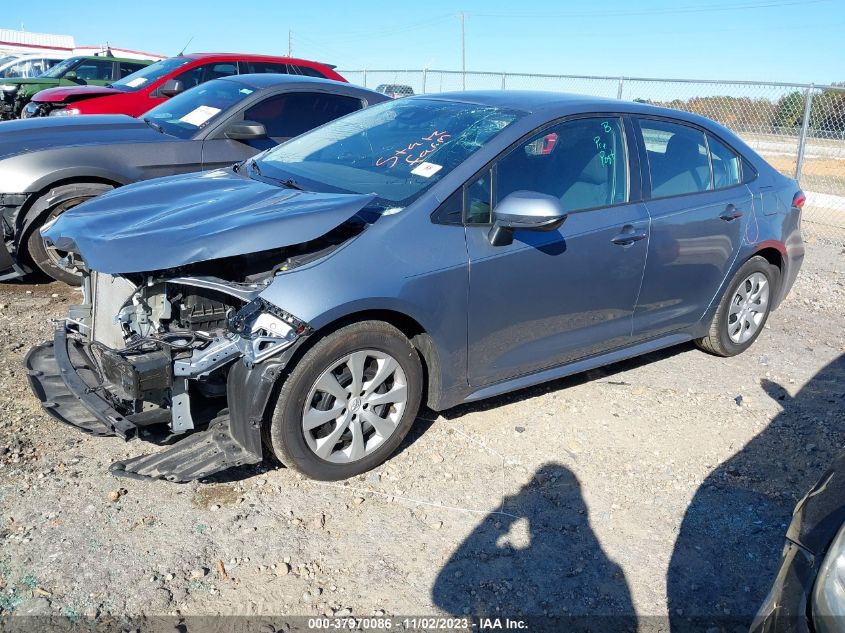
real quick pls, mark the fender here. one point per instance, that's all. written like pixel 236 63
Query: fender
pixel 55 196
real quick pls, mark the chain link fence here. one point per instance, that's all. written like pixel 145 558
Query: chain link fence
pixel 798 128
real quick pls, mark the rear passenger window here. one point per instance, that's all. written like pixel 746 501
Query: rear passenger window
pixel 582 162
pixel 263 67
pixel 677 158
pixel 127 68
pixel 725 163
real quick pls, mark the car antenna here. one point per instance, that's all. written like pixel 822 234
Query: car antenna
pixel 188 43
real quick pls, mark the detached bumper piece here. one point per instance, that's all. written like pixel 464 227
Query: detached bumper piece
pixel 198 455
pixel 64 379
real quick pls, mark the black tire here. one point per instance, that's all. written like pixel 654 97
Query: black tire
pixel 285 436
pixel 35 247
pixel 718 340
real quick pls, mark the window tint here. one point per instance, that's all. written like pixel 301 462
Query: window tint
pixel 677 157
pixel 263 67
pixel 95 70
pixel 725 164
pixel 200 74
pixel 582 162
pixel 305 70
pixel 127 68
pixel 291 114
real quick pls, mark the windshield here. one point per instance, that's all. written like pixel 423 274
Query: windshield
pixel 7 59
pixel 396 149
pixel 149 74
pixel 187 113
pixel 62 67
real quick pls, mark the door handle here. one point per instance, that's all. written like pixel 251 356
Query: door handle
pixel 731 213
pixel 628 236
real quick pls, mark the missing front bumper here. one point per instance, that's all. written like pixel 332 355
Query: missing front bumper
pixel 62 377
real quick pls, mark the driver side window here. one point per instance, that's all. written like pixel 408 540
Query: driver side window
pixel 582 162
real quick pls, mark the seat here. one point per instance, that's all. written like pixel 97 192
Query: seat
pixel 683 168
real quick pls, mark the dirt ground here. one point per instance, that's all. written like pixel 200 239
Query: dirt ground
pixel 652 489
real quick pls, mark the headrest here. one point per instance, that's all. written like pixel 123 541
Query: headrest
pixel 684 150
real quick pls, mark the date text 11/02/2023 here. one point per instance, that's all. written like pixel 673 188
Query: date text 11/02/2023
pixel 387 623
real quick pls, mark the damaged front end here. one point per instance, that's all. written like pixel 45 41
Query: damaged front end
pixel 194 356
pixel 173 340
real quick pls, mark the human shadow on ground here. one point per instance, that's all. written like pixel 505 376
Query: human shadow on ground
pixel 728 549
pixel 538 560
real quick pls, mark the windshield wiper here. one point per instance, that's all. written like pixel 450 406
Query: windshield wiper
pixel 290 183
pixel 154 125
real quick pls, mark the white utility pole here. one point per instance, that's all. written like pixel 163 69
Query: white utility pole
pixel 290 44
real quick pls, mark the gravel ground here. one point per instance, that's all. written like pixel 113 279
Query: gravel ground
pixel 659 487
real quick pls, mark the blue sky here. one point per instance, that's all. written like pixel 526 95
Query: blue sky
pixel 768 40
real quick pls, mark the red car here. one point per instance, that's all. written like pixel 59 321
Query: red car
pixel 146 88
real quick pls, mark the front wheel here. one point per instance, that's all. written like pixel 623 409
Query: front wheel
pixel 743 310
pixel 348 403
pixel 47 259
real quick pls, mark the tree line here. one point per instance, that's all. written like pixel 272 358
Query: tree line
pixel 827 113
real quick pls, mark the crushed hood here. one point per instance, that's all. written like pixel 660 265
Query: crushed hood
pixel 190 218
pixel 38 133
pixel 74 93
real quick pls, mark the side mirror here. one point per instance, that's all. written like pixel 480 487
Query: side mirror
pixel 71 75
pixel 171 88
pixel 245 131
pixel 528 210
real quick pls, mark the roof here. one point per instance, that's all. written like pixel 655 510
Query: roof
pixel 41 40
pixel 564 103
pixel 249 56
pixel 270 80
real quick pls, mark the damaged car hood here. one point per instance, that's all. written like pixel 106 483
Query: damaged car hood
pixel 190 218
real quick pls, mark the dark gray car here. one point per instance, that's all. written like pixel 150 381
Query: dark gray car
pixel 431 249
pixel 49 165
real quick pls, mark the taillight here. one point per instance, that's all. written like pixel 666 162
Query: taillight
pixel 799 199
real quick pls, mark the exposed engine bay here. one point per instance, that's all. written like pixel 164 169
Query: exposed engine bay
pixel 189 355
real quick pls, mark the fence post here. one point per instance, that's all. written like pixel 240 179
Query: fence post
pixel 619 90
pixel 365 78
pixel 425 75
pixel 805 128
pixel 503 80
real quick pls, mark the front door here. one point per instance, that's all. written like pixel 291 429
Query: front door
pixel 552 297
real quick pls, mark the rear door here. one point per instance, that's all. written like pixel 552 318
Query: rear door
pixel 284 116
pixel 699 213
pixel 553 297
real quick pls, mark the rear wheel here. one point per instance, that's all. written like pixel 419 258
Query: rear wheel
pixel 348 403
pixel 743 310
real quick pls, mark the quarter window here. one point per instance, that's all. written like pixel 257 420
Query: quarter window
pixel 677 158
pixel 581 161
pixel 725 163
pixel 291 114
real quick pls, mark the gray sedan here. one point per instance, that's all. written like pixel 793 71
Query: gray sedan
pixel 50 165
pixel 433 250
